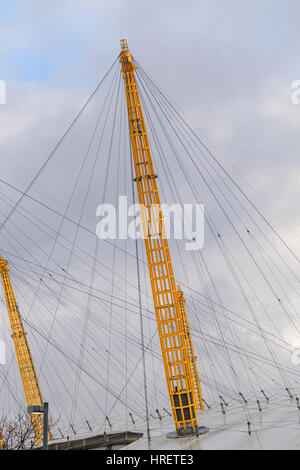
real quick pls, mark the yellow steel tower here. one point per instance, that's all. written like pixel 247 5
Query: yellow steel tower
pixel 27 371
pixel 172 326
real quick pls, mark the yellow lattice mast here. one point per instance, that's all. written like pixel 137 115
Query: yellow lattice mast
pixel 177 363
pixel 191 354
pixel 26 366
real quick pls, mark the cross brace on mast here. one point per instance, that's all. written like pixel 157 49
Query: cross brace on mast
pixel 28 375
pixel 170 314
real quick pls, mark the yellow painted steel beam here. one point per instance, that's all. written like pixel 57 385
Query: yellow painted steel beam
pixel 191 354
pixel 2 443
pixel 28 375
pixel 170 323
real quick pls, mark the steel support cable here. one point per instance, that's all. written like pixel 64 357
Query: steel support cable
pixel 204 178
pixel 201 275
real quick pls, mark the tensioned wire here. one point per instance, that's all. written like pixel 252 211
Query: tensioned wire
pixel 235 376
